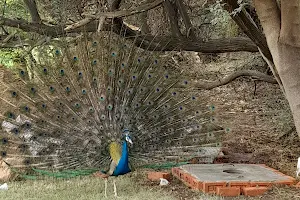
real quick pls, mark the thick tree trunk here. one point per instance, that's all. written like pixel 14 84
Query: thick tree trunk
pixel 282 29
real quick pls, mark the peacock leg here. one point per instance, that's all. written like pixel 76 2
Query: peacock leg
pixel 115 188
pixel 105 188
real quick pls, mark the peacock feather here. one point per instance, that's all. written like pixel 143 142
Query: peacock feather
pixel 69 110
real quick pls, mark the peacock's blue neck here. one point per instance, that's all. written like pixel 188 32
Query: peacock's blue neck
pixel 123 165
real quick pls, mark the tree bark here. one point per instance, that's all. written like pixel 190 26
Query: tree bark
pixel 281 28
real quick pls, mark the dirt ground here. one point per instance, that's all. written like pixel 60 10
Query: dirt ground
pixel 257 114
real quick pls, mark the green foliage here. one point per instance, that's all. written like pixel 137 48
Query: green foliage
pixel 223 24
pixel 9 57
pixel 14 9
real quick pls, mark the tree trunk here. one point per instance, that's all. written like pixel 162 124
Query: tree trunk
pixel 282 29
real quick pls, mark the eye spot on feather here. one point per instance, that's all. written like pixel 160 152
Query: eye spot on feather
pixel 139 60
pixel 3 154
pixel 10 115
pixel 27 162
pixel 91 110
pixel 4 140
pixel 109 107
pixel 57 52
pixel 80 75
pixel 212 119
pixel 22 73
pixel 62 72
pixel 45 71
pixel 129 91
pixel 185 82
pixel 68 89
pixel 58 116
pixel 26 108
pixel 166 76
pixel 113 54
pixel 14 94
pixel 94 62
pixel 180 108
pixel 75 58
pixel 51 89
pixel 77 105
pixel 15 131
pixel 27 125
pixel 170 119
pixel 193 98
pixel 155 61
pixel 44 106
pixel 95 43
pixel 174 93
pixel 83 91
pixel 101 98
pixel 33 90
pixel 171 130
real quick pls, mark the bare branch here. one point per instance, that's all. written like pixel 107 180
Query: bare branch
pixel 246 23
pixel 171 11
pixel 188 25
pixel 31 5
pixel 154 43
pixel 208 85
pixel 125 13
pixel 115 14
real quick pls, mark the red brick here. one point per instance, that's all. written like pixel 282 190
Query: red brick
pixel 228 191
pixel 297 185
pixel 155 176
pixel 254 191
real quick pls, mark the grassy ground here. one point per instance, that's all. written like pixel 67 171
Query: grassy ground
pixel 87 188
pixel 132 186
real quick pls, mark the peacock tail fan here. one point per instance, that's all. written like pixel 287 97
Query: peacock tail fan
pixel 81 93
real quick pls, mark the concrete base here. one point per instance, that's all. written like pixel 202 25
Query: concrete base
pixel 232 172
pixel 231 179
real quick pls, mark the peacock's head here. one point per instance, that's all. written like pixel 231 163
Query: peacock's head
pixel 127 136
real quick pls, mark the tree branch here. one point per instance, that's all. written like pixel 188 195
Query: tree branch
pixel 115 14
pixel 153 43
pixel 246 23
pixel 171 11
pixel 31 5
pixel 208 85
pixel 188 25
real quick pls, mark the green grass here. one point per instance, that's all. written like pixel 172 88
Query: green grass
pixel 86 188
pixel 132 187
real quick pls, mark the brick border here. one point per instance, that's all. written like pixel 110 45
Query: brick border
pixel 231 188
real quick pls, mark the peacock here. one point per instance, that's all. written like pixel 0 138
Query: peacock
pixel 98 101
